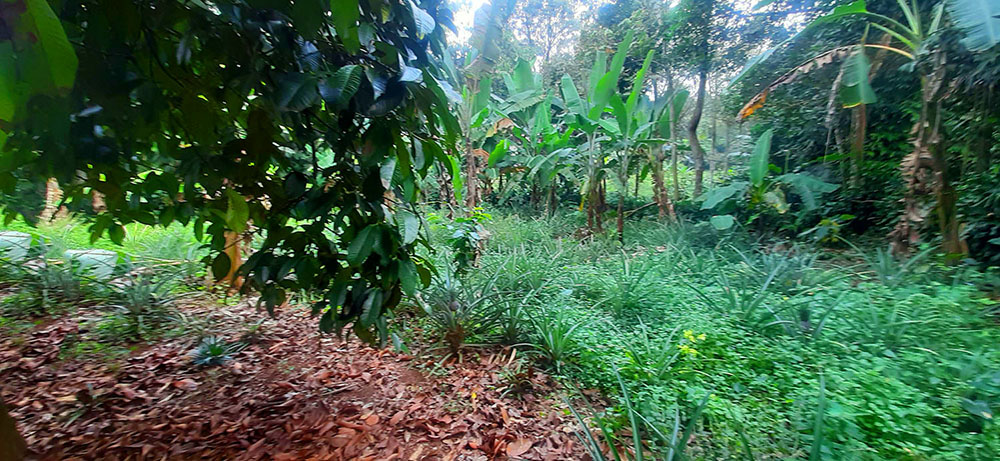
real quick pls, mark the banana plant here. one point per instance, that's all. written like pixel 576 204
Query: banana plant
pixel 585 114
pixel 979 22
pixel 668 111
pixel 764 193
pixel 476 84
pixel 527 115
pixel 631 130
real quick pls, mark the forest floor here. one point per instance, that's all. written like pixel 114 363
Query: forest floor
pixel 292 394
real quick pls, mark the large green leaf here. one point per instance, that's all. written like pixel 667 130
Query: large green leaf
pixel 633 97
pixel 498 153
pixel 571 96
pixel 721 194
pixel 541 121
pixel 237 211
pixel 409 224
pixel 677 103
pixel 295 91
pixel 487 33
pixel 424 22
pixel 608 84
pixel 598 70
pixel 760 158
pixel 722 222
pixel 524 77
pixel 808 187
pixel 345 20
pixel 856 87
pixel 482 98
pixel 622 115
pixel 59 56
pixel 978 19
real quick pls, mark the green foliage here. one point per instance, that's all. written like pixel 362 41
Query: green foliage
pixel 554 339
pixel 43 285
pixel 913 356
pixel 143 304
pixel 466 240
pixel 237 128
pixel 763 196
pixel 214 350
pixel 464 307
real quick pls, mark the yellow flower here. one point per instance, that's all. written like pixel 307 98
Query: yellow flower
pixel 702 337
pixel 685 349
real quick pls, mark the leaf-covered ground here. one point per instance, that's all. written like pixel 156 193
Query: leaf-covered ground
pixel 291 394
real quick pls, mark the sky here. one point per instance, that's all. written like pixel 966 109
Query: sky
pixel 463 10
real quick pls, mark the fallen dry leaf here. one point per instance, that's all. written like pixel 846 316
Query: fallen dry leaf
pixel 518 447
pixel 187 384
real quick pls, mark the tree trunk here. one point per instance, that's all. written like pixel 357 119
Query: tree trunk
pixel 859 125
pixel 925 172
pixel 471 166
pixel 664 205
pixel 621 217
pixel 53 196
pixel 593 192
pixel 471 176
pixel 446 191
pixel 729 145
pixel 550 202
pixel 673 171
pixel 12 446
pixel 697 153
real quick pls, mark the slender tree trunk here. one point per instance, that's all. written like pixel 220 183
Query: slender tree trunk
pixel 621 217
pixel 471 166
pixel 550 202
pixel 925 172
pixel 664 205
pixel 656 167
pixel 712 151
pixel 593 193
pixel 859 125
pixel 12 446
pixel 673 171
pixel 53 196
pixel 471 176
pixel 729 145
pixel 637 178
pixel 697 153
pixel 446 191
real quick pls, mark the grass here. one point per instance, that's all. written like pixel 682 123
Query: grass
pixel 141 242
pixel 705 346
pixel 681 312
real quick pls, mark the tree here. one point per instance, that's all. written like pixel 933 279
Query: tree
pixel 313 127
pixel 585 114
pixel 925 170
pixel 632 132
pixel 547 26
pixel 667 127
pixel 476 90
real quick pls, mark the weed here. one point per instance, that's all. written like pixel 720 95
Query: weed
pixel 462 308
pixel 554 340
pixel 214 350
pixel 672 447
